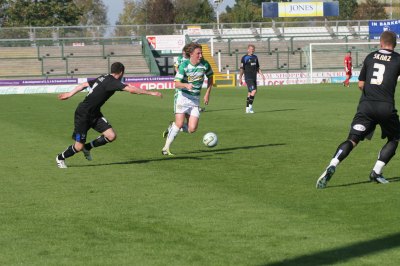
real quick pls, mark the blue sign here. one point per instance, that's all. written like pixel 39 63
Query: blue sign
pixel 376 27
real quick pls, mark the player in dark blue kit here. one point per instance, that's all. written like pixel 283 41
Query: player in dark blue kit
pixel 377 81
pixel 88 114
pixel 250 67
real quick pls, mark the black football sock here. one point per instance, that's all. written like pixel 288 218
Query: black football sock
pixel 251 100
pixel 248 102
pixel 100 141
pixel 70 151
pixel 343 150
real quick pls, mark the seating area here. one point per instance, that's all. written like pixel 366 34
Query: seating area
pixel 281 57
pixel 244 33
pixel 19 61
pixel 315 33
pixel 282 32
pixel 70 60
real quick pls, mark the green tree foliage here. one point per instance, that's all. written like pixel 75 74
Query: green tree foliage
pixel 147 12
pixel 242 11
pixel 160 12
pixel 194 11
pixel 166 12
pixel 3 8
pixel 371 9
pixel 347 9
pixel 41 13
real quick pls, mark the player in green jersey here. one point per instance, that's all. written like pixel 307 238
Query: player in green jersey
pixel 188 83
pixel 182 58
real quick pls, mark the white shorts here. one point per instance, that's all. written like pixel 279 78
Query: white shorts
pixel 186 104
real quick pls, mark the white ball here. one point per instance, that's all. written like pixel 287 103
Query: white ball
pixel 210 139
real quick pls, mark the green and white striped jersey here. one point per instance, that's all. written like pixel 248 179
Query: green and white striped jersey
pixel 189 73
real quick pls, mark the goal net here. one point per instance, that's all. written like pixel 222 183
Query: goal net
pixel 325 61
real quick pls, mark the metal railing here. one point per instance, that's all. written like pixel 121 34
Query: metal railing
pixel 96 33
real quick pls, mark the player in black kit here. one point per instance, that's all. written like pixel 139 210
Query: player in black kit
pixel 377 81
pixel 88 114
pixel 249 66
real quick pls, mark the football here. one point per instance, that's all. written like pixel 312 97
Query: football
pixel 210 139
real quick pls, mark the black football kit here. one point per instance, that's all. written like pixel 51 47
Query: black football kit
pixel 380 72
pixel 88 114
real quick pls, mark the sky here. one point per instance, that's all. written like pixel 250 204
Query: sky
pixel 115 7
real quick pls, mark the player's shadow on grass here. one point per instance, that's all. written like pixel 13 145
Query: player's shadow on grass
pixel 183 157
pixel 150 160
pixel 343 254
pixel 277 110
pixel 391 180
pixel 220 110
pixel 227 150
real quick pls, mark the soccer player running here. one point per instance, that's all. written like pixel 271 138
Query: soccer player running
pixel 88 114
pixel 188 83
pixel 377 80
pixel 182 58
pixel 249 66
pixel 348 67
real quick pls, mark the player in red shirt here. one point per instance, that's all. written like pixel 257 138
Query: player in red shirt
pixel 348 66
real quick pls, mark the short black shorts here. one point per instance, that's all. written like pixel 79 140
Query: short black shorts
pixel 369 114
pixel 85 122
pixel 251 85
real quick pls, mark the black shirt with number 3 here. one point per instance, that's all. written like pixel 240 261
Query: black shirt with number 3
pixel 380 72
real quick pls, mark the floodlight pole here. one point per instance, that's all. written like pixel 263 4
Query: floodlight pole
pixel 216 4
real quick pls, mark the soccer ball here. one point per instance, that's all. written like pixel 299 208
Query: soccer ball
pixel 210 139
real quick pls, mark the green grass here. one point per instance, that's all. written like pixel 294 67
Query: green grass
pixel 249 201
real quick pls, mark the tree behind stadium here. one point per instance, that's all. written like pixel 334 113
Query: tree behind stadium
pixel 22 13
pixel 153 12
pixel 371 9
pixel 36 13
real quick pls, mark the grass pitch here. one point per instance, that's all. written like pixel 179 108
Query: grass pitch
pixel 249 201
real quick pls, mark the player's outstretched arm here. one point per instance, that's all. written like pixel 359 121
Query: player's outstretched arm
pixel 135 90
pixel 208 91
pixel 67 95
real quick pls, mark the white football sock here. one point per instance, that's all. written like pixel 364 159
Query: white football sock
pixel 174 130
pixel 335 162
pixel 378 167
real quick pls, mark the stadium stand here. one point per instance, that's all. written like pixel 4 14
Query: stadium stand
pixel 70 61
pixel 280 46
pixel 21 61
pixel 305 33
